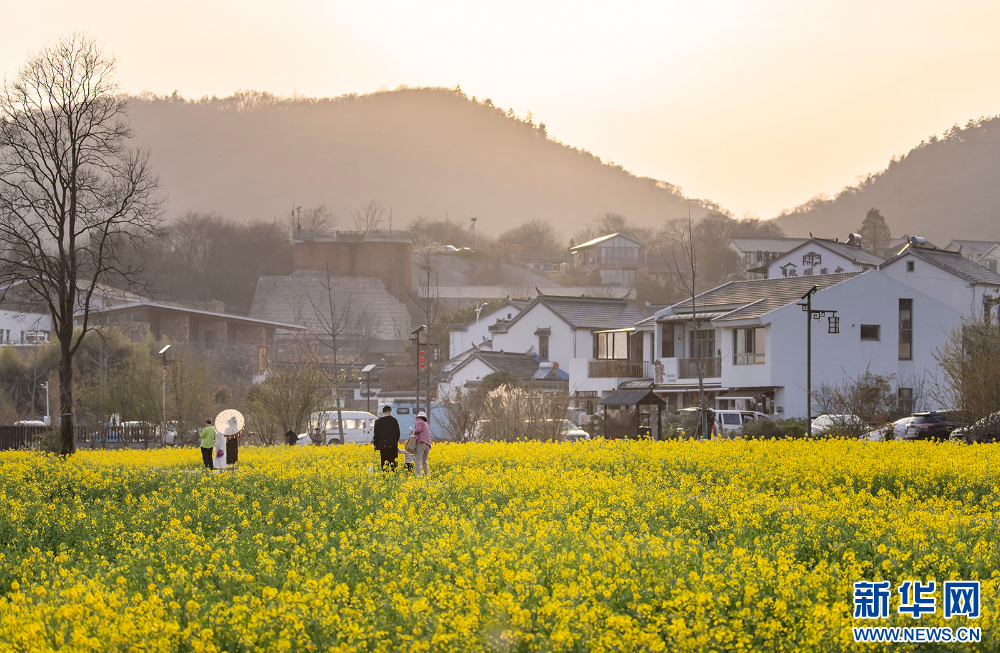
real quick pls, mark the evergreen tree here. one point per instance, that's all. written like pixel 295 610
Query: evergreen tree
pixel 875 232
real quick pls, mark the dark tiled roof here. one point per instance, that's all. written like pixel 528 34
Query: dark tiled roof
pixel 749 299
pixel 952 262
pixel 593 312
pixel 522 366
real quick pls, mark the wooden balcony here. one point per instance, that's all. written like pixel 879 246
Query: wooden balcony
pixel 711 368
pixel 618 369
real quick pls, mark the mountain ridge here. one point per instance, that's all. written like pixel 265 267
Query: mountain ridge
pixel 430 152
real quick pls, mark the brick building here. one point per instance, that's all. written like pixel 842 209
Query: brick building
pixel 381 254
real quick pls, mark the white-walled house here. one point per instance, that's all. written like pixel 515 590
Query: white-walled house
pixel 756 253
pixel 948 277
pixel 821 256
pixel 18 328
pixel 525 367
pixel 616 257
pixel 463 337
pixel 752 341
pixel 592 339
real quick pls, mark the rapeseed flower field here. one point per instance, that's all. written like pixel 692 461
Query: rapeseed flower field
pixel 605 546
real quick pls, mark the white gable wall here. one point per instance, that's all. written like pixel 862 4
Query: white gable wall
pixel 477 332
pixel 948 288
pixel 805 266
pixel 474 370
pixel 871 298
pixel 520 336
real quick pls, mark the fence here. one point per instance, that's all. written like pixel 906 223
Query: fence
pixel 115 437
pixel 19 437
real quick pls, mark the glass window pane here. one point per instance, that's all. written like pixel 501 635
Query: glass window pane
pixel 602 345
pixel 621 345
pixel 758 340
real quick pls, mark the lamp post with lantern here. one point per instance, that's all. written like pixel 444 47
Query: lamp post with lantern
pixel 833 326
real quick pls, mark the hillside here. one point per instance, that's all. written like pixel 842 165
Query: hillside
pixel 426 151
pixel 944 188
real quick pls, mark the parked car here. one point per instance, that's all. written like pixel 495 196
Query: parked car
pixel 727 421
pixel 573 433
pixel 929 425
pixel 897 428
pixel 30 422
pixel 358 428
pixel 984 431
pixel 826 423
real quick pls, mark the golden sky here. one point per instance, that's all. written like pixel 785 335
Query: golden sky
pixel 756 105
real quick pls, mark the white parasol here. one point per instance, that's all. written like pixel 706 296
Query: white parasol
pixel 229 422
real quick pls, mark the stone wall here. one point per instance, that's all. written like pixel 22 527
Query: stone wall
pixel 389 261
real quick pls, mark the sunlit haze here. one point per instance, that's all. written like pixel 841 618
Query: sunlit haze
pixel 757 106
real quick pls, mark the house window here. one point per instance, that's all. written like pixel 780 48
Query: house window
pixel 543 347
pixel 906 400
pixel 666 340
pixel 991 265
pixel 611 345
pixel 703 343
pixel 870 332
pixel 909 266
pixel 748 346
pixel 905 329
pixel 210 340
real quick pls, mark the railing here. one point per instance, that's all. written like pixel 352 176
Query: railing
pixel 623 369
pixel 711 368
pixel 116 437
pixel 19 437
pixel 627 261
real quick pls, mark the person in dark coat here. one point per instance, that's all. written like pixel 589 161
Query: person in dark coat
pixel 386 438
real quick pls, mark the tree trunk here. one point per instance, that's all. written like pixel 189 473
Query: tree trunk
pixel 67 438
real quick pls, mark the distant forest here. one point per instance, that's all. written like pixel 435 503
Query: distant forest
pixel 421 152
pixel 946 187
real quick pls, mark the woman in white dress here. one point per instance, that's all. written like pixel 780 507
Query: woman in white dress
pixel 219 451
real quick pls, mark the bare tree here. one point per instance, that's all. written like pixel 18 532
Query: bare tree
pixel 286 398
pixel 369 217
pixel 858 403
pixel 73 194
pixel 679 250
pixel 347 329
pixel 462 410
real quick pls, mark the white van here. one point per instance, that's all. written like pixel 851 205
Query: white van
pixel 359 427
pixel 727 421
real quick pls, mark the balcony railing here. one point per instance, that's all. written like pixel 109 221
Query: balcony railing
pixel 620 369
pixel 711 368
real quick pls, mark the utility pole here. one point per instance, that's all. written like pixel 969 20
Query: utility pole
pixel 163 425
pixel 420 357
pixel 834 327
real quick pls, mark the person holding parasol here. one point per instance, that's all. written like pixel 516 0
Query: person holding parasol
pixel 229 424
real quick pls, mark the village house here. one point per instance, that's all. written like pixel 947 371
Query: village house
pixel 822 256
pixel 948 276
pixel 748 338
pixel 757 253
pixel 591 339
pixel 616 257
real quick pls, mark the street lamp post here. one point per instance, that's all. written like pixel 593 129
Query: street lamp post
pixel 48 420
pixel 474 232
pixel 163 425
pixel 834 327
pixel 367 369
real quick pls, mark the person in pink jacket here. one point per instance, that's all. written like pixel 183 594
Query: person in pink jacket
pixel 422 431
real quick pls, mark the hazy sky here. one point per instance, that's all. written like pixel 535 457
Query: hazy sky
pixel 756 105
